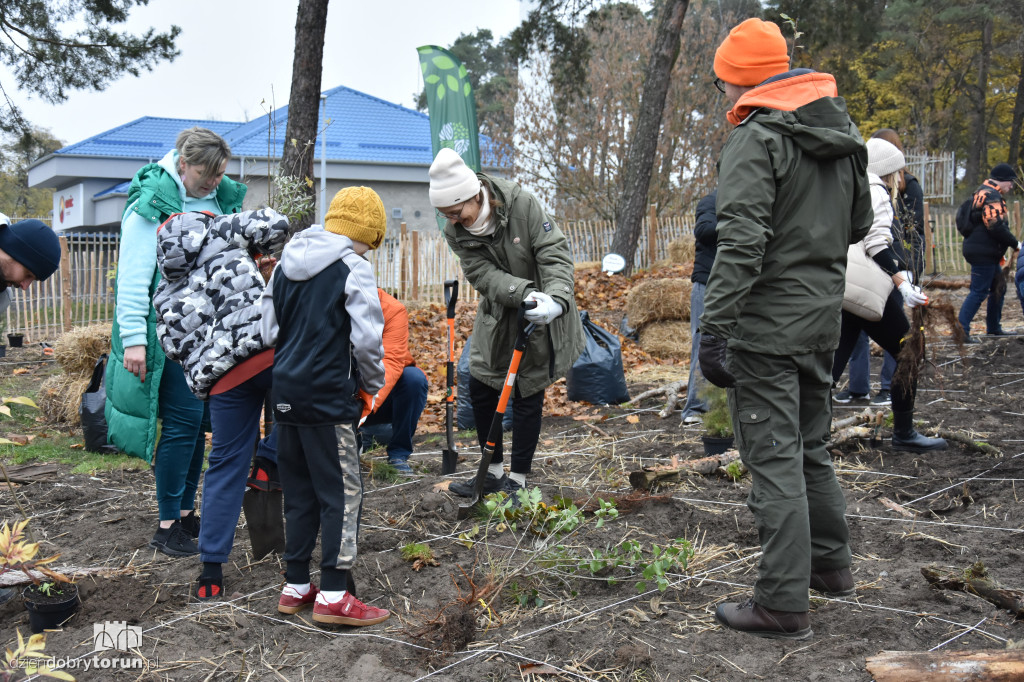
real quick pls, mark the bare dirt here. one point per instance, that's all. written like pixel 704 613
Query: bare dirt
pixel 511 604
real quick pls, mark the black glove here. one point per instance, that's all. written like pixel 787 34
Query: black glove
pixel 712 361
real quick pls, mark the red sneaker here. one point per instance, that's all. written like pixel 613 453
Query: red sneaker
pixel 348 611
pixel 293 602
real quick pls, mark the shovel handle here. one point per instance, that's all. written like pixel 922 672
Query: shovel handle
pixel 451 296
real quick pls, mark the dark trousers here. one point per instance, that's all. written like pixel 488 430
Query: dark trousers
pixel 888 333
pixel 236 429
pixel 781 414
pixel 402 410
pixel 182 446
pixel 323 495
pixel 526 414
pixel 984 284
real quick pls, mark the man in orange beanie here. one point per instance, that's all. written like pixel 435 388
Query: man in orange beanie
pixel 792 196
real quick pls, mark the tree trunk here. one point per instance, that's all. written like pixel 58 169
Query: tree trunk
pixel 1016 155
pixel 633 204
pixel 976 153
pixel 304 100
pixel 947 666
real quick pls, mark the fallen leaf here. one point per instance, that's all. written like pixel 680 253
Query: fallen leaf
pixel 20 439
pixel 20 370
pixel 633 419
pixel 537 669
pixel 441 485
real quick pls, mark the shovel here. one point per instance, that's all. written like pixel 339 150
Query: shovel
pixel 449 456
pixel 264 511
pixel 487 451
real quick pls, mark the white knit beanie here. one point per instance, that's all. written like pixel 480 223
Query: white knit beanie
pixel 884 157
pixel 451 180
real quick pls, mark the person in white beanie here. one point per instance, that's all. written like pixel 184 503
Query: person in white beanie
pixel 510 252
pixel 884 164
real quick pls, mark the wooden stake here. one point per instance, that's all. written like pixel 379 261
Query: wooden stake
pixel 947 666
pixel 652 235
pixel 415 265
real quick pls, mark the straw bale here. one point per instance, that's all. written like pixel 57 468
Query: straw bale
pixel 658 299
pixel 668 339
pixel 76 351
pixel 587 265
pixel 681 250
pixel 60 396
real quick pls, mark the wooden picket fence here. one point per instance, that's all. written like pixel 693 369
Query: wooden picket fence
pixel 413 264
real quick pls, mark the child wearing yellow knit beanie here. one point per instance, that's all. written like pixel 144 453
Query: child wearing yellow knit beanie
pixel 322 312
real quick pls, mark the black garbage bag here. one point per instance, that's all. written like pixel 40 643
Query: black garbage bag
pixel 463 402
pixel 94 399
pixel 597 376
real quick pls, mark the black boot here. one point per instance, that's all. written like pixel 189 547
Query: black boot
pixel 904 437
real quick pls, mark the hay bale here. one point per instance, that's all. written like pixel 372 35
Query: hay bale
pixel 668 339
pixel 60 396
pixel 587 265
pixel 76 351
pixel 682 250
pixel 658 299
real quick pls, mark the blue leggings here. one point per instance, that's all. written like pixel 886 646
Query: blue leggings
pixel 179 453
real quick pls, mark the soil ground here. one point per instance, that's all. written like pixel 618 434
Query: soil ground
pixel 512 604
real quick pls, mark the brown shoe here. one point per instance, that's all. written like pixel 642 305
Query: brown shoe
pixel 834 582
pixel 755 619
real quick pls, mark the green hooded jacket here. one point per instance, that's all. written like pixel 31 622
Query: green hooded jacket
pixel 527 252
pixel 132 406
pixel 793 195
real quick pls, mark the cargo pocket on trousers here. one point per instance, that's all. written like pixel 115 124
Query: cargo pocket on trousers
pixel 755 435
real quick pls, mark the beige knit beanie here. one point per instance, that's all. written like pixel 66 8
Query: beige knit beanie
pixel 451 180
pixel 358 213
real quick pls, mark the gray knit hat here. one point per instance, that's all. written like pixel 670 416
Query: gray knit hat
pixel 884 158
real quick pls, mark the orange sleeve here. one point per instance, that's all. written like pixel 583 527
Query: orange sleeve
pixel 396 347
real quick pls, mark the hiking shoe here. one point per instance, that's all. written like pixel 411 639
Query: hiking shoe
pixel 754 619
pixel 174 541
pixel 834 582
pixel 1003 332
pixel 971 339
pixel 293 602
pixel 510 487
pixel 844 397
pixel 883 397
pixel 263 475
pixel 190 524
pixel 347 611
pixel 492 484
pixel 401 465
pixel 693 419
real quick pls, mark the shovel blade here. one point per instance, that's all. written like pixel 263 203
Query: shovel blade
pixel 264 517
pixel 449 459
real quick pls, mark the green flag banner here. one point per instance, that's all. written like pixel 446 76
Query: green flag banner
pixel 450 104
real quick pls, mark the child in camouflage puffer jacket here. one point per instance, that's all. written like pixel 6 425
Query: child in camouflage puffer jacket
pixel 209 322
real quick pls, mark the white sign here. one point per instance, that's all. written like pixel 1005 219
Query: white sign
pixel 613 263
pixel 69 207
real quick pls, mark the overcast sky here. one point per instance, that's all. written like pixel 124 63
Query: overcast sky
pixel 237 53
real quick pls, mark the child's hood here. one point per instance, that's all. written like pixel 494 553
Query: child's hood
pixel 180 241
pixel 311 251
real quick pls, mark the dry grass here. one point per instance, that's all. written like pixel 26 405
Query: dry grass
pixel 658 299
pixel 682 250
pixel 76 351
pixel 60 397
pixel 668 339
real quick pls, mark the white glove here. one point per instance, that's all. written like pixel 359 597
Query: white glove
pixel 912 296
pixel 906 275
pixel 547 308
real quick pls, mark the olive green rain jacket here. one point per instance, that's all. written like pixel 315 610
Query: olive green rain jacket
pixel 527 252
pixel 792 196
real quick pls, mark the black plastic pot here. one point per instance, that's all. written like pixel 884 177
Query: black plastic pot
pixel 49 613
pixel 15 340
pixel 716 446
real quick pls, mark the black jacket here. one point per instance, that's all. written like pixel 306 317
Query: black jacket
pixel 705 238
pixel 991 236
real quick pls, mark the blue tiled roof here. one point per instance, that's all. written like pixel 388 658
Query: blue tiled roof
pixel 362 128
pixel 148 137
pixel 119 188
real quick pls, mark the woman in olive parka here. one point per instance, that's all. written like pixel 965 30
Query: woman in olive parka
pixel 510 252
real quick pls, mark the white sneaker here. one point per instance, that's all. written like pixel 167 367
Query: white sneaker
pixel 693 419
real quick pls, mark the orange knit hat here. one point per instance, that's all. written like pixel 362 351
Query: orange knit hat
pixel 752 52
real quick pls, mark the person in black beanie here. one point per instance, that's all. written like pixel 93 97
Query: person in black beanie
pixel 29 252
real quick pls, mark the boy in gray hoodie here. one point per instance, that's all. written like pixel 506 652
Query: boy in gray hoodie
pixel 322 310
